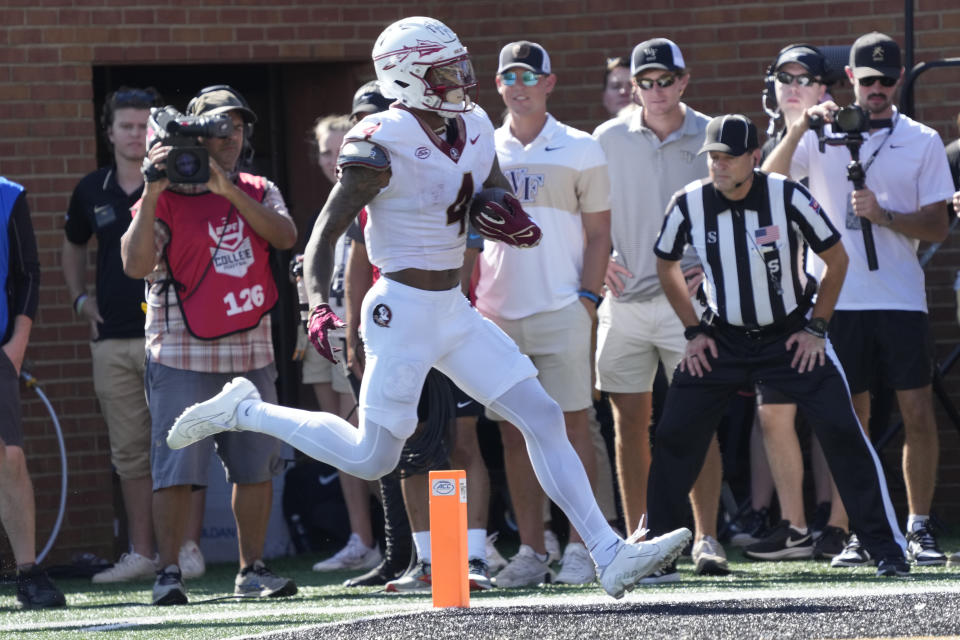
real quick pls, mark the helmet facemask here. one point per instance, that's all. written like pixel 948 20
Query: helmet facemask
pixel 450 86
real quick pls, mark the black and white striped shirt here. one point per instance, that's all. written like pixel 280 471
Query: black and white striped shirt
pixel 752 250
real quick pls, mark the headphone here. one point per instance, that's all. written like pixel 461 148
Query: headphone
pixel 769 95
pixel 246 156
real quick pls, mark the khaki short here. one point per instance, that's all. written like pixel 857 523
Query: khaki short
pixel 319 370
pixel 118 368
pixel 632 338
pixel 558 343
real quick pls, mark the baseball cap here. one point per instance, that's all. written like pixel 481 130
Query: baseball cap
pixel 658 53
pixel 875 54
pixel 807 57
pixel 731 134
pixel 369 99
pixel 219 101
pixel 528 55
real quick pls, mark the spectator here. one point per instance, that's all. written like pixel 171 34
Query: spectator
pixel 203 249
pixel 20 273
pixel 330 382
pixel 638 328
pixel 880 327
pixel 797 79
pixel 617 88
pixel 545 298
pixel 765 328
pixel 100 207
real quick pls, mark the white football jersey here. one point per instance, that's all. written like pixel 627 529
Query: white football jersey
pixel 420 219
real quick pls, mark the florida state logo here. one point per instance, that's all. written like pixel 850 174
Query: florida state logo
pixel 382 315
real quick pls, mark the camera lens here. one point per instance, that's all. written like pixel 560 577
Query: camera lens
pixel 187 164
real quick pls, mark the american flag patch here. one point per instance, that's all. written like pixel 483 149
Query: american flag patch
pixel 766 235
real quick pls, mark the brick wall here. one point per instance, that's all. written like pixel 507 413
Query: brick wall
pixel 47 134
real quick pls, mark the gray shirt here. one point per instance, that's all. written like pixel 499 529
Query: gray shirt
pixel 645 172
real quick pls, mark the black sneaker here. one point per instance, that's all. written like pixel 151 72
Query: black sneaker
pixel 830 543
pixel 922 549
pixel 853 555
pixel 821 516
pixel 749 528
pixel 478 573
pixel 782 543
pixel 35 590
pixel 168 587
pixel 665 575
pixel 892 568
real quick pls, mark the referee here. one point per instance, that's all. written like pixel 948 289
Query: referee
pixel 750 230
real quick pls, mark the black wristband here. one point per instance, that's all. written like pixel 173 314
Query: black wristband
pixel 817 327
pixel 693 331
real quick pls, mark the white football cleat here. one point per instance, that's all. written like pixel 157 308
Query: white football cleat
pixel 215 415
pixel 636 560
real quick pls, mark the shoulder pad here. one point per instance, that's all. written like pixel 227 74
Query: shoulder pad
pixel 363 153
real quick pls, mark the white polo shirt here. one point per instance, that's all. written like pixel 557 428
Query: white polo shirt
pixel 907 170
pixel 559 176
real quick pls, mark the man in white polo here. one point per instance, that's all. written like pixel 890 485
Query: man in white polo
pixel 546 297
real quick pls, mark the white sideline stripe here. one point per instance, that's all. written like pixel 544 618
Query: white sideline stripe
pixel 638 596
pixel 271 611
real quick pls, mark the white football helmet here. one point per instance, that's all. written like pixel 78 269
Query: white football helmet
pixel 421 63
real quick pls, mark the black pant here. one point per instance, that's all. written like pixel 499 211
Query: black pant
pixel 694 406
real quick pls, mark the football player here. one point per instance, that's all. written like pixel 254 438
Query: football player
pixel 416 167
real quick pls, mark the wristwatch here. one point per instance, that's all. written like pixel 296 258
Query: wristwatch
pixel 817 327
pixel 693 331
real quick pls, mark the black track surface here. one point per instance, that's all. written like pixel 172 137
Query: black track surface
pixel 934 615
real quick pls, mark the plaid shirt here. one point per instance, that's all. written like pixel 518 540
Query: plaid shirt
pixel 168 341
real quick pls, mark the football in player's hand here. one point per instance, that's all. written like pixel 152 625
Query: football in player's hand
pixel 496 214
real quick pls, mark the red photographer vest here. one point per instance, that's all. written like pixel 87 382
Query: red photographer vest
pixel 219 267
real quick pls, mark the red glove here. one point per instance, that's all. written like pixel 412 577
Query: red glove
pixel 506 222
pixel 322 320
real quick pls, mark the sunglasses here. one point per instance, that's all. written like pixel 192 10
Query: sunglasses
pixel 528 78
pixel 802 79
pixel 884 81
pixel 663 82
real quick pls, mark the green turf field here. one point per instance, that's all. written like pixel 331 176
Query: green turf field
pixel 122 611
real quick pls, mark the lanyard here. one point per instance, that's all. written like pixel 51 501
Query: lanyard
pixel 873 156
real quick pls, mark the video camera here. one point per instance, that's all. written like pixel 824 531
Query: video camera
pixel 188 161
pixel 851 122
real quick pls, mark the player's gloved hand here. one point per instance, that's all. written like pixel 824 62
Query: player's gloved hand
pixel 508 223
pixel 322 321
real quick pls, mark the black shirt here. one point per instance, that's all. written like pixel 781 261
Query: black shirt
pixel 751 250
pixel 100 207
pixel 22 286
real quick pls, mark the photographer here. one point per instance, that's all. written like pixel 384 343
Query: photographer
pixel 881 319
pixel 203 249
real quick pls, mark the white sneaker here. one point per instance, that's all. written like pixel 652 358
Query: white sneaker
pixel 130 566
pixel 355 555
pixel 215 415
pixel 191 561
pixel 635 560
pixel 709 558
pixel 578 567
pixel 552 545
pixel 525 569
pixel 495 560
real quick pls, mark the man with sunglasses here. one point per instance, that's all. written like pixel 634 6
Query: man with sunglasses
pixel 651 153
pixel 881 325
pixel 548 303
